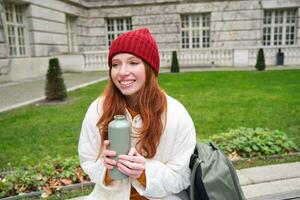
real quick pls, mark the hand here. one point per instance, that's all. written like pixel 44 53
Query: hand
pixel 106 154
pixel 132 164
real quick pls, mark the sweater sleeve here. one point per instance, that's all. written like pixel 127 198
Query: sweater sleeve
pixel 142 179
pixel 89 147
pixel 171 176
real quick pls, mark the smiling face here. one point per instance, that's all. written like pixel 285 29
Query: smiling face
pixel 128 73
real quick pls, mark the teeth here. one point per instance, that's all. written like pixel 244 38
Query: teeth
pixel 126 83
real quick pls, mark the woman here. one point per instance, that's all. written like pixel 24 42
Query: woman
pixel 163 134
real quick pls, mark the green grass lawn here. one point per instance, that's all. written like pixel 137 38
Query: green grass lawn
pixel 216 101
pixel 221 100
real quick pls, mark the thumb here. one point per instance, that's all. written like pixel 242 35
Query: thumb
pixel 105 144
pixel 132 151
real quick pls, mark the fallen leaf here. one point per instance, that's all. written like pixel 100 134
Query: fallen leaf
pixel 54 183
pixel 47 190
pixel 79 174
pixel 66 181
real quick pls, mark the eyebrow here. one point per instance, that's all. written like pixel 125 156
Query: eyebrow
pixel 131 57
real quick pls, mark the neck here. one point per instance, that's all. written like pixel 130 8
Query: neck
pixel 131 103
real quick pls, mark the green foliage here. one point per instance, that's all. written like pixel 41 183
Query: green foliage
pixel 6 188
pixel 260 61
pixel 174 64
pixel 20 181
pixel 258 142
pixel 55 87
pixel 48 175
pixel 69 165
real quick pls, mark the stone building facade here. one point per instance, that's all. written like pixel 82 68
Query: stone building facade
pixel 203 32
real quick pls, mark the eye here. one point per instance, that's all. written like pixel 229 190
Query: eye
pixel 134 63
pixel 114 64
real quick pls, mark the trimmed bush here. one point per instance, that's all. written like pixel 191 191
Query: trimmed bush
pixel 260 61
pixel 258 142
pixel 174 64
pixel 55 87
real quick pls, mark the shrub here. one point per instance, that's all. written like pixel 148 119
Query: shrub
pixel 258 142
pixel 55 87
pixel 49 175
pixel 260 61
pixel 174 64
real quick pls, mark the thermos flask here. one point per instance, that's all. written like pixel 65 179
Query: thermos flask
pixel 119 136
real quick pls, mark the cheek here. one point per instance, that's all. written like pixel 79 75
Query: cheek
pixel 144 79
pixel 113 76
pixel 143 75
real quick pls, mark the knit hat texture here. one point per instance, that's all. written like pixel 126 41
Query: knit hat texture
pixel 138 42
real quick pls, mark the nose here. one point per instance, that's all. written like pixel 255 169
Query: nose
pixel 123 69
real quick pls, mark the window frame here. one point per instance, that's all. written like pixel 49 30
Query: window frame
pixel 196 37
pixel 25 52
pixel 275 27
pixel 71 33
pixel 112 32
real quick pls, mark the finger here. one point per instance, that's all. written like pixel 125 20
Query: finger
pixel 131 165
pixel 109 161
pixel 133 152
pixel 129 172
pixel 105 144
pixel 127 157
pixel 134 159
pixel 108 166
pixel 109 153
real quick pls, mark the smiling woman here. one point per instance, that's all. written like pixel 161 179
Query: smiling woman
pixel 157 163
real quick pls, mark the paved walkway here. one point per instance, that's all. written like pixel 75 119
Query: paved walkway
pixel 16 94
pixel 281 181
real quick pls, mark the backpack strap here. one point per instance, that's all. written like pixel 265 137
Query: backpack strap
pixel 197 185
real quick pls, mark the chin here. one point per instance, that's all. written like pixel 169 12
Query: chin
pixel 127 93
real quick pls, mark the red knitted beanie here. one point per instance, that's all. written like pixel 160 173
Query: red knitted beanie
pixel 138 42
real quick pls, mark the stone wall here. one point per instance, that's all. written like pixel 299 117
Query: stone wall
pixel 91 33
pixel 46 36
pixel 47 32
pixel 234 24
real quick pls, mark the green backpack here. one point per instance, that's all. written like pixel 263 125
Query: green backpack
pixel 213 175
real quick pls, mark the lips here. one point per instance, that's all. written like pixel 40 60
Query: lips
pixel 125 84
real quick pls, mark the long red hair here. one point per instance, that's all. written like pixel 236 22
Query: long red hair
pixel 151 103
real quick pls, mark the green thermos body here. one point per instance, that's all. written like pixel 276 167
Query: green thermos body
pixel 119 137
